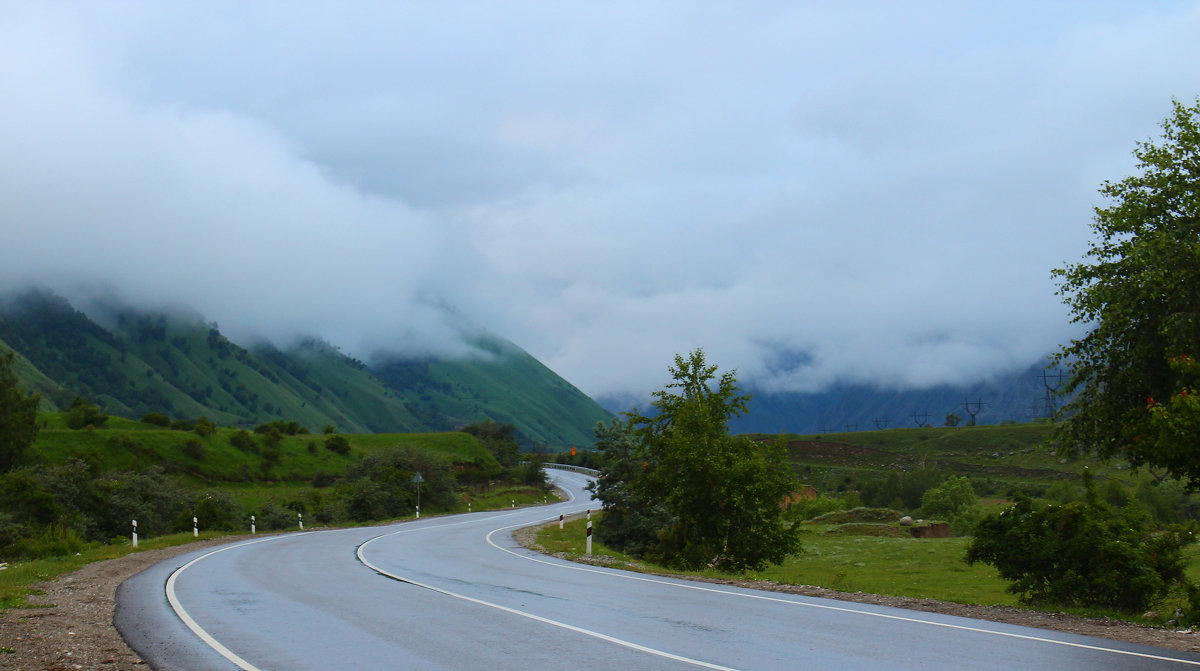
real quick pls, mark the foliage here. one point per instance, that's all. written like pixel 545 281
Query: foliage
pixel 204 427
pixel 901 489
pixel 954 501
pixel 380 485
pixel 499 439
pixel 216 509
pixel 18 417
pixel 83 414
pixel 723 493
pixel 632 515
pixel 1083 553
pixel 1138 289
pixel 157 419
pixel 337 444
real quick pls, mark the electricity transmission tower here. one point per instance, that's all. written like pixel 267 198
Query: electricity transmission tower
pixel 881 423
pixel 978 407
pixel 921 419
pixel 1051 407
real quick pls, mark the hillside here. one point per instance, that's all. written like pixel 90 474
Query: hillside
pixel 997 458
pixel 177 364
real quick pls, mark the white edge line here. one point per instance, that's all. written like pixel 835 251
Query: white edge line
pixel 563 625
pixel 199 631
pixel 947 625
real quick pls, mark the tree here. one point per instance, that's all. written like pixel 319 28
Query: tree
pixel 632 516
pixel 723 493
pixel 18 417
pixel 1138 290
pixel 954 501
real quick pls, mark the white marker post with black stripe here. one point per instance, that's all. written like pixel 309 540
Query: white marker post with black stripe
pixel 560 521
pixel 252 530
pixel 589 537
pixel 135 533
pixel 195 527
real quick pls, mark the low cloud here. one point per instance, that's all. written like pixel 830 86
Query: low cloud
pixel 814 195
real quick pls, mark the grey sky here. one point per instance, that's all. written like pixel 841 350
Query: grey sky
pixel 865 192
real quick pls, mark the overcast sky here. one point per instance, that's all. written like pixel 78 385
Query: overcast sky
pixel 812 192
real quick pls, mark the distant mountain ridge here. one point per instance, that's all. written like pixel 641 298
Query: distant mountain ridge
pixel 179 365
pixel 1018 397
pixel 1014 397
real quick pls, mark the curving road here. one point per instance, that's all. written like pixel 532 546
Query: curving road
pixel 458 592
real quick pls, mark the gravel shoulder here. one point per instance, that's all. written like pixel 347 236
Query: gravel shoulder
pixel 75 628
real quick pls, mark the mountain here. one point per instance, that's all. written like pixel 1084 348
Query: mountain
pixel 1016 397
pixel 130 362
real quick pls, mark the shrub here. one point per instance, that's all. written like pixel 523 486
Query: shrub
pixel 156 418
pixel 1081 554
pixel 204 427
pixel 273 518
pixel 54 540
pixel 953 501
pixel 244 441
pixel 83 414
pixel 216 509
pixel 194 449
pixel 338 444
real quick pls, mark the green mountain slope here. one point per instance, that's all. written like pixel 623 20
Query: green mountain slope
pixel 179 365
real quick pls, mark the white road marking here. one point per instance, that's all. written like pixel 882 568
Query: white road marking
pixel 632 576
pixel 191 624
pixel 539 618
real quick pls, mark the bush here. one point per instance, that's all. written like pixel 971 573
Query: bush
pixel 953 501
pixel 204 427
pixel 157 419
pixel 1081 554
pixel 54 540
pixel 194 449
pixel 216 509
pixel 83 414
pixel 243 441
pixel 338 445
pixel 273 518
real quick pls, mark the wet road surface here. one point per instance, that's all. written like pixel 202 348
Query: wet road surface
pixel 458 592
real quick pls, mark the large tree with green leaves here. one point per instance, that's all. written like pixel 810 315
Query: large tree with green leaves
pixel 1138 291
pixel 723 493
pixel 18 416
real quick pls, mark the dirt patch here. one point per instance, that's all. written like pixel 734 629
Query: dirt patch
pixel 74 628
pixel 1117 630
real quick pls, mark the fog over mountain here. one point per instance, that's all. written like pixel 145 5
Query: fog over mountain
pixel 818 194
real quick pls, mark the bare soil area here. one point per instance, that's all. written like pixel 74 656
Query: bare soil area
pixel 73 626
pixel 74 629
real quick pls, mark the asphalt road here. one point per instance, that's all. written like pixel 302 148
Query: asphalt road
pixel 458 592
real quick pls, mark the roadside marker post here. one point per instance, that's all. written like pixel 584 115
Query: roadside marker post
pixel 560 521
pixel 135 533
pixel 300 519
pixel 195 527
pixel 252 525
pixel 589 537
